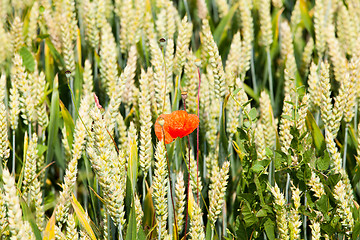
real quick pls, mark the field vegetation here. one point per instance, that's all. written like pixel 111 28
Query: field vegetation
pixel 184 119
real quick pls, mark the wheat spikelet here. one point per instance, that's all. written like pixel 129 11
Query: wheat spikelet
pixel 88 84
pixel 3 216
pixel 248 36
pixel 14 213
pixel 14 106
pixel 71 232
pixel 4 141
pixel 108 66
pixel 192 80
pixel 295 15
pixel 350 95
pixel 217 191
pixel 138 211
pixel 281 213
pixel 16 34
pixel 160 183
pixel 129 74
pixel 307 54
pixel 80 134
pixel 182 44
pixel 343 209
pixel 333 152
pixel 314 89
pixel 37 199
pixel 180 201
pixel 49 17
pixel 277 3
pixel 325 104
pixel 32 30
pixel 159 78
pixel 302 111
pixel 294 215
pixel 285 124
pixel 234 57
pixel 29 167
pixel 267 119
pixel 100 14
pixel 319 26
pixel 4 9
pixel 109 167
pixel 265 23
pixel 215 61
pixel 145 153
pixel 316 186
pixel 89 11
pixel 196 225
pixel 223 7
pixel 337 57
pixel 345 29
pixel 202 9
pixel 315 230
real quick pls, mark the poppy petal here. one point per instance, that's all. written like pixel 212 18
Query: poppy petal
pixel 191 124
pixel 158 130
pixel 176 122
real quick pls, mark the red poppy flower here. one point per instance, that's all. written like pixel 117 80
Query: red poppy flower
pixel 176 124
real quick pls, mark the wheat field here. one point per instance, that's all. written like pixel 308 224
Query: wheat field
pixel 184 119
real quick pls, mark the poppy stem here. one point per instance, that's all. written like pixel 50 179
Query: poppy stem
pixel 188 184
pixel 197 139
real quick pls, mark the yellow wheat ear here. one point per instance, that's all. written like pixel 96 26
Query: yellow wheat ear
pixel 191 203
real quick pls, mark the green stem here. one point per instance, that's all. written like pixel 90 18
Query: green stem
pixel 253 75
pixel 271 87
pixel 29 130
pixel 13 155
pixel 305 219
pixel 287 188
pixel 345 145
pixel 355 116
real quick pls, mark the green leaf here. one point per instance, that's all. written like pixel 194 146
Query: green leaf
pixel 323 162
pixel 261 213
pixel 133 164
pixel 249 217
pixel 43 36
pixel 323 204
pixel 49 232
pixel 140 234
pixel 54 52
pixel 225 21
pixel 149 209
pixel 328 229
pixel 208 231
pixel 270 229
pixel 356 231
pixel 257 167
pixel 69 124
pixel 306 17
pixel 81 215
pixel 253 114
pixel 29 216
pixel 41 149
pixel 28 59
pixel 333 180
pixel 280 157
pixel 53 123
pixel 316 134
pixel 131 230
